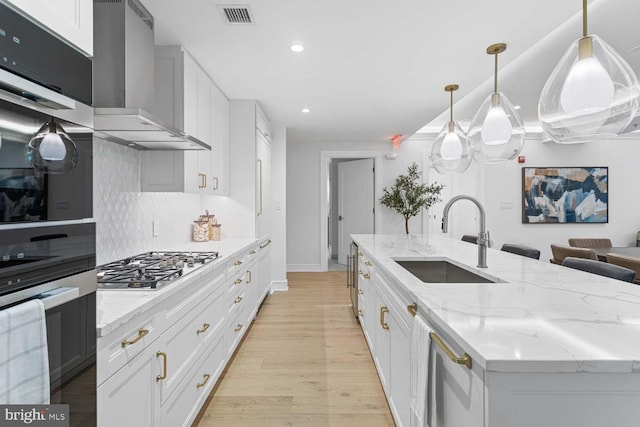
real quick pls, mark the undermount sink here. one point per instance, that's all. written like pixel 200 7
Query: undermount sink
pixel 441 271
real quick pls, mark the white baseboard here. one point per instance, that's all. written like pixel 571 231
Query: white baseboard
pixel 294 268
pixel 279 285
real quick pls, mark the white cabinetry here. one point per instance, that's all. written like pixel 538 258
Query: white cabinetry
pixel 188 99
pixel 159 368
pixel 250 157
pixel 71 20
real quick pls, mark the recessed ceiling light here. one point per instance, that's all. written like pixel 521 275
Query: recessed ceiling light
pixel 305 110
pixel 297 48
pixel 516 107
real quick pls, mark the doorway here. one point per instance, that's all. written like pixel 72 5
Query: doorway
pixel 349 205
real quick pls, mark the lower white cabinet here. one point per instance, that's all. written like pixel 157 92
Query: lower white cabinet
pixel 159 368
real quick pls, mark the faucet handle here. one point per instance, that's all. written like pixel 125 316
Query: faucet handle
pixel 489 241
pixel 485 239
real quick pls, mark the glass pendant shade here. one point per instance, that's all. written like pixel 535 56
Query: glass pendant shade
pixel 496 132
pixel 591 94
pixel 51 150
pixel 450 151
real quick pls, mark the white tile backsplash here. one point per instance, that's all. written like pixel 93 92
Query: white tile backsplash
pixel 125 216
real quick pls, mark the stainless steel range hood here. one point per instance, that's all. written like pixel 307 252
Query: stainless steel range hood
pixel 124 80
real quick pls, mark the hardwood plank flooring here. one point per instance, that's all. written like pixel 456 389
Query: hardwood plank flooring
pixel 304 362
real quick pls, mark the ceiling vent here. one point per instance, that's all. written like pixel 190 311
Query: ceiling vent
pixel 236 13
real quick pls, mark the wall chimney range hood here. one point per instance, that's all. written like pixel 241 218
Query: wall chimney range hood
pixel 124 80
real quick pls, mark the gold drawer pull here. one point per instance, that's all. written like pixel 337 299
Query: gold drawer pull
pixel 203 329
pixel 237 263
pixel 237 301
pixel 266 244
pixel 237 282
pixel 164 365
pixel 383 311
pixel 464 360
pixel 215 180
pixel 203 383
pixel 141 333
pixel 367 263
pixel 237 328
pixel 366 276
pixel 413 309
pixel 360 313
pixel 250 276
pixel 360 272
pixel 360 292
pixel 203 180
pixel 360 254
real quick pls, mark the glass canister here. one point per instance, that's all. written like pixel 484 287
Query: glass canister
pixel 200 231
pixel 215 230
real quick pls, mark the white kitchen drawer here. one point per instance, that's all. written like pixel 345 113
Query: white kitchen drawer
pixel 235 330
pixel 122 345
pixel 184 405
pixel 236 304
pixel 241 261
pixel 236 282
pixel 184 340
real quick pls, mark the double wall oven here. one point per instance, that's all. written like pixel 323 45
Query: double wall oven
pixel 47 234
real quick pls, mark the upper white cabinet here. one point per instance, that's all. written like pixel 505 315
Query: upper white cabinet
pixel 250 164
pixel 188 99
pixel 71 20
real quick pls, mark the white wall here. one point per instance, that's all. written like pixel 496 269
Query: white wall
pixel 304 189
pixel 503 183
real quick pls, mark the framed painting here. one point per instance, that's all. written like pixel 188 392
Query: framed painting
pixel 565 195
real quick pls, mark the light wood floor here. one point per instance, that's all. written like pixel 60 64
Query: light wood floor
pixel 304 362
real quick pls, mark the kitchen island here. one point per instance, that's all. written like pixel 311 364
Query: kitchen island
pixel 548 345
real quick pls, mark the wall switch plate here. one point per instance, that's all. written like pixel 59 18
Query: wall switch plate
pixel 506 205
pixel 156 228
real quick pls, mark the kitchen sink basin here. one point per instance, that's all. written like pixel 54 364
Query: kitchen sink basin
pixel 441 271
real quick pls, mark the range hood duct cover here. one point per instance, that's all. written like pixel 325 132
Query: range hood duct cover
pixel 124 80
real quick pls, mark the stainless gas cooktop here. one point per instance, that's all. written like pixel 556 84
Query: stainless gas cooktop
pixel 150 270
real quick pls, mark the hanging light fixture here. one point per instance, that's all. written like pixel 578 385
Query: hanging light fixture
pixel 51 150
pixel 591 94
pixel 450 151
pixel 496 133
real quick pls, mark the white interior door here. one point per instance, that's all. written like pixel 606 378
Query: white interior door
pixel 356 202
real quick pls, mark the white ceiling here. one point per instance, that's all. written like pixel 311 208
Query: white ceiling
pixel 375 68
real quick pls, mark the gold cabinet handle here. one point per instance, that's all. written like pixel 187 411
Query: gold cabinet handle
pixel 238 328
pixel 465 359
pixel 413 309
pixel 141 333
pixel 366 276
pixel 260 187
pixel 164 365
pixel 237 263
pixel 237 300
pixel 367 263
pixel 237 282
pixel 205 180
pixel 202 180
pixel 383 311
pixel 215 183
pixel 250 276
pixel 266 244
pixel 203 329
pixel 360 313
pixel 360 272
pixel 360 292
pixel 360 254
pixel 204 382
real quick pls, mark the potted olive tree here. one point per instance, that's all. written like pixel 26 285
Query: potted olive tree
pixel 407 195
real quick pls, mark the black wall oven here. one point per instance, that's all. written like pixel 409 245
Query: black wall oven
pixel 47 234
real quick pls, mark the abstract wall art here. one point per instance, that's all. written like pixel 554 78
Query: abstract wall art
pixel 565 195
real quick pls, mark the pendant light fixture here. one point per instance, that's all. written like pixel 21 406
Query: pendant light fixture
pixel 51 150
pixel 496 133
pixel 591 94
pixel 450 151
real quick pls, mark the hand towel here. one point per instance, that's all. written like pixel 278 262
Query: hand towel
pixel 420 373
pixel 24 358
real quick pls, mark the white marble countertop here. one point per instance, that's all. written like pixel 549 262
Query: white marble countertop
pixel 115 308
pixel 543 318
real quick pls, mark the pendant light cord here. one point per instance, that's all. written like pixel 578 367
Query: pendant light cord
pixel 451 107
pixel 584 18
pixel 495 74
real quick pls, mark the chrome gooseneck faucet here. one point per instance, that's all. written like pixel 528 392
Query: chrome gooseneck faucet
pixel 483 235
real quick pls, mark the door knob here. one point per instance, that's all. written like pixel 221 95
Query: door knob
pixel 340 218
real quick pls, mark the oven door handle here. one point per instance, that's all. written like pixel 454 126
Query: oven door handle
pixel 58 296
pixel 23 88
